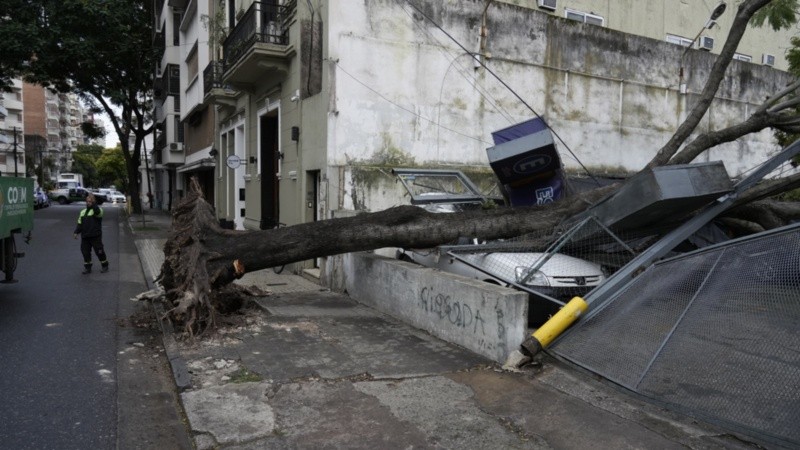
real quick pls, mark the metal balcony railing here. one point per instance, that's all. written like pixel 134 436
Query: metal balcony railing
pixel 212 76
pixel 264 22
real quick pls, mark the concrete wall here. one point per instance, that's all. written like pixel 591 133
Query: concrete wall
pixel 488 320
pixel 405 94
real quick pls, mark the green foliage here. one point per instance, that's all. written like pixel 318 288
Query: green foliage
pixel 793 57
pixel 111 168
pixel 92 130
pixel 100 166
pixel 19 24
pixel 782 14
pixel 779 14
pixel 83 162
pixel 102 50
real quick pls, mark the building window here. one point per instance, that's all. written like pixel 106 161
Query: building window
pixel 176 27
pixel 191 64
pixel 178 129
pixel 580 16
pixel 742 57
pixel 174 80
pixel 682 41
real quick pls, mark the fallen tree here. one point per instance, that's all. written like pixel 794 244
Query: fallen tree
pixel 202 259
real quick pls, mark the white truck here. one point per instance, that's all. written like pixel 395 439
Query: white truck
pixel 69 181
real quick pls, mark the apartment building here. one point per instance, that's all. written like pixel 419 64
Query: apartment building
pixel 312 103
pixel 52 129
pixel 12 130
pixel 185 121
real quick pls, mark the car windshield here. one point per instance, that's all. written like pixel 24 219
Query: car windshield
pixel 438 186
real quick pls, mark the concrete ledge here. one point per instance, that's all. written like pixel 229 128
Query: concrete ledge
pixel 488 320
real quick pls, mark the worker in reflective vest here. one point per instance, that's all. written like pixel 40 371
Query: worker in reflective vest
pixel 90 228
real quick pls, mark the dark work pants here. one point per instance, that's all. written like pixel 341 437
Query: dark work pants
pixel 96 243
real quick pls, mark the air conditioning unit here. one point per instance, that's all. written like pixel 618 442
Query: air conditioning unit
pixel 768 60
pixel 705 43
pixel 176 147
pixel 547 4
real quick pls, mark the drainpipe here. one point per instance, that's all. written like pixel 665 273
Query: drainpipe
pixel 484 32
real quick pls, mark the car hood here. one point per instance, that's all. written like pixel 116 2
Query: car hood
pixel 556 265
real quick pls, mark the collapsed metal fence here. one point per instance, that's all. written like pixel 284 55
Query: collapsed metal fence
pixel 552 265
pixel 714 333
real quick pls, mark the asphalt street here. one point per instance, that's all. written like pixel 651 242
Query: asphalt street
pixel 57 329
pixel 77 372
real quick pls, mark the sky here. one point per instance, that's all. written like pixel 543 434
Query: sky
pixel 111 135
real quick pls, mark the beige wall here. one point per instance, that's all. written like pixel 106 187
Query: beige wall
pixel 657 18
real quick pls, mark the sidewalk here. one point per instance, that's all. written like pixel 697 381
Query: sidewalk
pixel 310 368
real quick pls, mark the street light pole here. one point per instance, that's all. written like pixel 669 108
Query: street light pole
pixel 711 21
pixel 16 172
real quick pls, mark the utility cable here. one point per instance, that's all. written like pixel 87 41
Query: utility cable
pixel 403 107
pixel 501 81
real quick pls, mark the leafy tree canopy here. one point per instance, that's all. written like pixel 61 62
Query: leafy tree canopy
pixel 111 168
pixel 84 162
pixel 779 14
pixel 102 50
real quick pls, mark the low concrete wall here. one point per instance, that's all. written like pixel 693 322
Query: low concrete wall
pixel 489 320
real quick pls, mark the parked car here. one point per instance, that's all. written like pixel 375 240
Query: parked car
pixel 116 197
pixel 40 199
pixel 554 275
pixel 560 276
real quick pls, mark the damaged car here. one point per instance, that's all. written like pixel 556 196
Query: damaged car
pixel 551 276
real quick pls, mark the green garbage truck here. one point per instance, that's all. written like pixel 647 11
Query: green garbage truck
pixel 16 218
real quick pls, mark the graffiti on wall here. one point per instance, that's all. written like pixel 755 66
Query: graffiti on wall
pixel 463 316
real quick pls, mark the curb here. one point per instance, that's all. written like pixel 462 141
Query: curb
pixel 180 371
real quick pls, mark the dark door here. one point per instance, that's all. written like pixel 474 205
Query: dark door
pixel 269 167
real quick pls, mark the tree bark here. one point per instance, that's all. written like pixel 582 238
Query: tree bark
pixel 201 257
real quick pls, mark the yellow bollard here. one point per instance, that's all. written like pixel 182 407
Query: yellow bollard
pixel 543 336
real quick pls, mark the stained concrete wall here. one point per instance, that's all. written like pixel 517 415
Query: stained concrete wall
pixel 488 320
pixel 407 95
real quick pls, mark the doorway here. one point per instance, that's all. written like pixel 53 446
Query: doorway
pixel 270 156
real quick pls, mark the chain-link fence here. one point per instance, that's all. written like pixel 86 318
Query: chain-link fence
pixel 714 333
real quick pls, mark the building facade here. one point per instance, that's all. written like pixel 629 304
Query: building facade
pixel 185 121
pixel 52 129
pixel 314 102
pixel 12 132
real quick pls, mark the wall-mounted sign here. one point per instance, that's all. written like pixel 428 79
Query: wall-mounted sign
pixel 233 161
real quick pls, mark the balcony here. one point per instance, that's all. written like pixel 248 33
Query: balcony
pixel 173 155
pixel 258 46
pixel 214 91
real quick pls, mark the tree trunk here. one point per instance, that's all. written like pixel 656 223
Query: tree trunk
pixel 201 257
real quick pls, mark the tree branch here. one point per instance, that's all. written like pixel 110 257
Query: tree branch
pixel 744 13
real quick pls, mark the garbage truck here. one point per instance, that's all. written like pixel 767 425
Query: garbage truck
pixel 16 218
